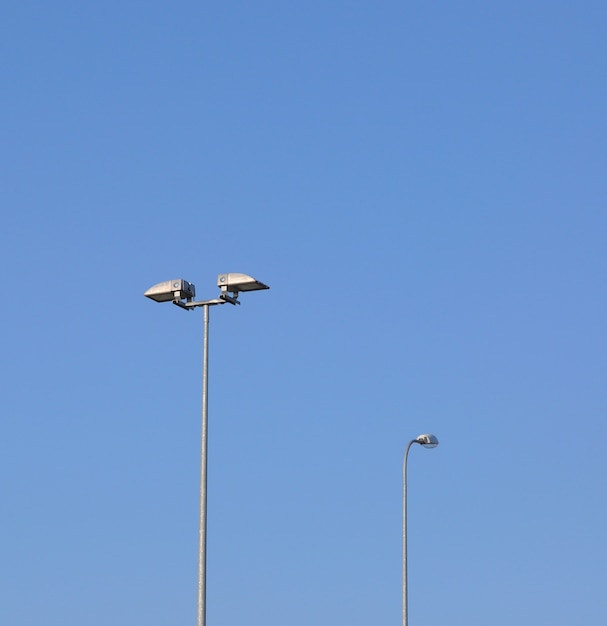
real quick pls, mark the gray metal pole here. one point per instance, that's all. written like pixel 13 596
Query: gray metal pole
pixel 202 528
pixel 405 591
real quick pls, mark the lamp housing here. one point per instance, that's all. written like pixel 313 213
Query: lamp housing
pixel 171 290
pixel 427 440
pixel 235 282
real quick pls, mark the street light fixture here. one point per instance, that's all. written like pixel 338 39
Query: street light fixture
pixel 427 441
pixel 181 293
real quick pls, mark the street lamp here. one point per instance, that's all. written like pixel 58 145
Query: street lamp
pixel 181 293
pixel 427 441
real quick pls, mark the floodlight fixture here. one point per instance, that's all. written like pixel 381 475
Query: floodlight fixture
pixel 235 282
pixel 171 290
pixel 181 292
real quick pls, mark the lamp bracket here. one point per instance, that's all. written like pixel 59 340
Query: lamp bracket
pixel 233 299
pixel 189 305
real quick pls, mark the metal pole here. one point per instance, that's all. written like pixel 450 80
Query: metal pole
pixel 202 528
pixel 405 591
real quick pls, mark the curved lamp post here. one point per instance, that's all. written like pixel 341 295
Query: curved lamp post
pixel 182 293
pixel 427 441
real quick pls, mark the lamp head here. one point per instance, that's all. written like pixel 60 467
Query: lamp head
pixel 427 440
pixel 171 290
pixel 235 282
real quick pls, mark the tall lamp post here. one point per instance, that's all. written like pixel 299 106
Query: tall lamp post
pixel 182 293
pixel 427 441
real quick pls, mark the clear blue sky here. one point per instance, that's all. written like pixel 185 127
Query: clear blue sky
pixel 423 186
